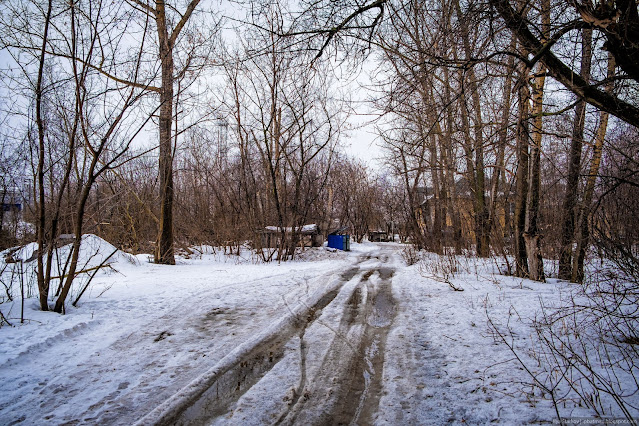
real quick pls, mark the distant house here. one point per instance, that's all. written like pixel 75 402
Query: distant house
pixel 14 198
pixel 378 236
pixel 428 201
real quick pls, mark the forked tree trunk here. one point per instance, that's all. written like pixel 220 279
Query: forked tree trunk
pixel 166 43
pixel 532 236
pixel 75 249
pixel 574 167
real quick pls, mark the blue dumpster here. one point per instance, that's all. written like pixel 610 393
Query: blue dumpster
pixel 340 242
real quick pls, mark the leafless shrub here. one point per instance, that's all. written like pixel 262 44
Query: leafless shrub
pixel 442 268
pixel 19 276
pixel 4 320
pixel 410 255
pixel 586 348
pixel 7 283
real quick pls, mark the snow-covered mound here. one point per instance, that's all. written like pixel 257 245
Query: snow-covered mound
pixel 94 251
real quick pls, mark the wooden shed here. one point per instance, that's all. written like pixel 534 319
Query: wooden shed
pixel 310 236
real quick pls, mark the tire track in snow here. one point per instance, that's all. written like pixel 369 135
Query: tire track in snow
pixel 348 385
pixel 131 372
pixel 212 393
pixel 345 388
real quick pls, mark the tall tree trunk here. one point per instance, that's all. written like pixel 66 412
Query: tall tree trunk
pixel 468 147
pixel 164 252
pixel 452 199
pixel 4 195
pixel 444 201
pixel 166 43
pixel 477 177
pixel 501 145
pixel 574 167
pixel 521 187
pixel 416 220
pixel 431 142
pixel 43 241
pixel 437 219
pixel 448 160
pixel 532 236
pixel 583 233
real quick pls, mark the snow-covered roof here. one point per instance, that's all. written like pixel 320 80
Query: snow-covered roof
pixel 306 229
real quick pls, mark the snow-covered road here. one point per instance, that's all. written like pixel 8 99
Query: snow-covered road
pixel 339 338
pixel 322 361
pixel 153 331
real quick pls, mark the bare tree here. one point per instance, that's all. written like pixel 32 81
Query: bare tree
pixel 532 234
pixel 523 158
pixel 585 209
pixel 286 126
pixel 43 282
pixel 84 120
pixel 617 22
pixel 167 38
pixel 574 165
pixel 97 138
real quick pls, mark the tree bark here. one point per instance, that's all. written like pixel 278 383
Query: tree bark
pixel 416 215
pixel 532 236
pixel 437 219
pixel 164 253
pixel 521 187
pixel 500 165
pixel 43 241
pixel 583 232
pixel 574 167
pixel 476 172
pixel 448 159
pixel 75 250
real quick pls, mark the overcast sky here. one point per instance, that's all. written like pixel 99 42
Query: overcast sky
pixel 361 142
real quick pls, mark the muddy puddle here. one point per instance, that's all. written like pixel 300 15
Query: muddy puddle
pixel 348 385
pixel 343 386
pixel 361 388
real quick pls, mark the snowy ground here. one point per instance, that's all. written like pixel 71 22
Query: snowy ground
pixel 335 338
